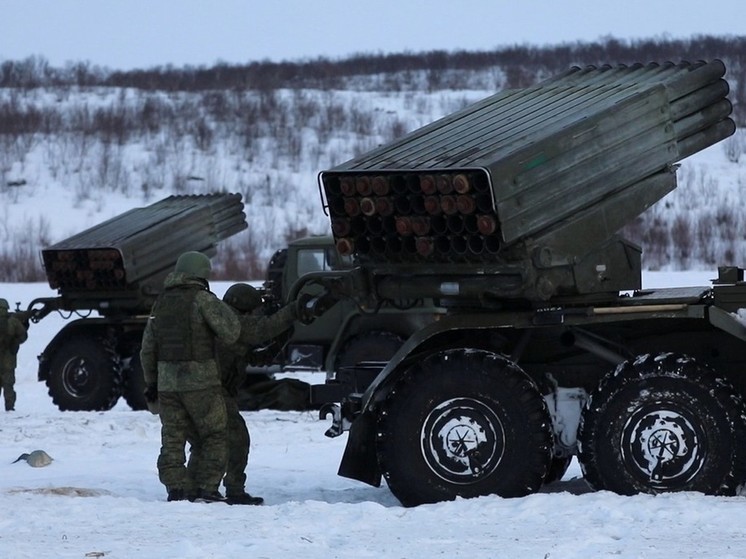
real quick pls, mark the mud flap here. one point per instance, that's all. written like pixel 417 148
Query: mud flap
pixel 359 460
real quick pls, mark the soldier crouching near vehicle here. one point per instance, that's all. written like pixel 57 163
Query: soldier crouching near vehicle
pixel 12 334
pixel 180 371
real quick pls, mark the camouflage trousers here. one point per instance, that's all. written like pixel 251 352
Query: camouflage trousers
pixel 7 381
pixel 184 415
pixel 238 452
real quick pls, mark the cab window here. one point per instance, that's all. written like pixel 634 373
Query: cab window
pixel 336 261
pixel 311 260
pixel 321 259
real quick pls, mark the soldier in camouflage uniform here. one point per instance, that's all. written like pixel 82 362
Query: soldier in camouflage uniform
pixel 256 328
pixel 12 334
pixel 180 370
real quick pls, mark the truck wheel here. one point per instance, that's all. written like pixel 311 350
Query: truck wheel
pixel 376 345
pixel 463 423
pixel 663 423
pixel 557 468
pixel 84 376
pixel 134 384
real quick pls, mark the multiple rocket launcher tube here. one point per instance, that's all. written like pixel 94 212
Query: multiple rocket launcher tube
pixel 412 217
pixel 523 168
pixel 137 249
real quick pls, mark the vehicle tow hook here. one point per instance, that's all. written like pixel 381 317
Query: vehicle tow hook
pixel 339 423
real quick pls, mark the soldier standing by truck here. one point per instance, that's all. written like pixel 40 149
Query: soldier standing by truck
pixel 180 370
pixel 256 328
pixel 12 335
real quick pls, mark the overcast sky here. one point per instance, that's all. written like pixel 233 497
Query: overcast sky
pixel 126 34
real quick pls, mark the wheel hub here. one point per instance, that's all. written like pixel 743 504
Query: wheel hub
pixel 462 440
pixel 76 377
pixel 663 447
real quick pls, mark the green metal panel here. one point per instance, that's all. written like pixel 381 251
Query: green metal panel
pixel 576 165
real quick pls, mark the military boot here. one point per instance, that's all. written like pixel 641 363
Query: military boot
pixel 243 498
pixel 176 494
pixel 205 496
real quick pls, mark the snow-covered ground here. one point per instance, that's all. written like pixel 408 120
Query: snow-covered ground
pixel 101 496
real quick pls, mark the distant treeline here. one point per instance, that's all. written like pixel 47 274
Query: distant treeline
pixel 526 62
pixel 523 65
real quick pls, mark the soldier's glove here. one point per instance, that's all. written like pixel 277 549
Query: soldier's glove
pixel 304 308
pixel 312 306
pixel 323 303
pixel 151 393
pixel 151 399
pixel 263 356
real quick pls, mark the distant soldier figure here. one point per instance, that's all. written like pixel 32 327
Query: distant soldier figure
pixel 12 334
pixel 181 372
pixel 256 328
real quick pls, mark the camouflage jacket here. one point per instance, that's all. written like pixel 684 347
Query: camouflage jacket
pixel 255 329
pixel 178 376
pixel 12 335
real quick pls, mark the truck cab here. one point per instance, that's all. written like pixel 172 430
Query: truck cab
pixel 348 333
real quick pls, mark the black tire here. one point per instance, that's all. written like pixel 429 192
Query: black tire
pixel 133 390
pixel 663 423
pixel 463 423
pixel 84 375
pixel 557 468
pixel 375 345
